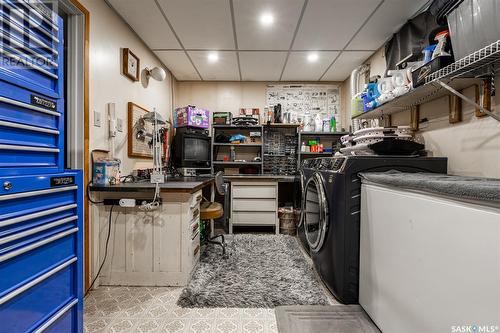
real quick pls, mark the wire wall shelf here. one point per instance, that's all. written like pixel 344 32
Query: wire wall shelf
pixel 484 62
pixel 463 73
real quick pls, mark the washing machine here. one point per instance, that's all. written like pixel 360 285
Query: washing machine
pixel 307 169
pixel 331 221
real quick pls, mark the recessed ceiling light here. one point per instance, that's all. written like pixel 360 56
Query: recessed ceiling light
pixel 213 57
pixel 312 57
pixel 266 19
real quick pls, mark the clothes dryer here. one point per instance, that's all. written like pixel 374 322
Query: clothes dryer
pixel 331 218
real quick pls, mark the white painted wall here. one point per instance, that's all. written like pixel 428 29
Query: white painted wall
pixel 472 146
pixel 221 96
pixel 377 67
pixel 108 35
pixel 227 96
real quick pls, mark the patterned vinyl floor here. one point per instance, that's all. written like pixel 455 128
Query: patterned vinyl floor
pixel 146 309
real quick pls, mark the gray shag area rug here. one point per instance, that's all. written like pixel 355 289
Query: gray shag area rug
pixel 262 271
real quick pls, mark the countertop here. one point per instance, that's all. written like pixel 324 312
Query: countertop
pixel 279 178
pixel 184 184
pixel 173 184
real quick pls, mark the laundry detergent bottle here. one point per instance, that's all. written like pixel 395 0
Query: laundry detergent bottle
pixel 318 123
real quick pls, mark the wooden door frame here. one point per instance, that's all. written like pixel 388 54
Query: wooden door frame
pixel 86 131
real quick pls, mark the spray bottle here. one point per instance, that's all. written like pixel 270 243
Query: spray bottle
pixel 428 51
pixel 439 51
pixel 333 124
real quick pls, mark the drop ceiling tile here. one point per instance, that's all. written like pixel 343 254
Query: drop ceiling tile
pixel 201 24
pixel 147 21
pixel 225 69
pixel 298 68
pixel 386 21
pixel 261 66
pixel 345 63
pixel 178 63
pixel 252 35
pixel 330 24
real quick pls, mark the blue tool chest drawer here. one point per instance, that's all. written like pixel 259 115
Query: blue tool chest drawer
pixel 41 19
pixel 31 48
pixel 31 89
pixel 31 131
pixel 41 253
pixel 14 35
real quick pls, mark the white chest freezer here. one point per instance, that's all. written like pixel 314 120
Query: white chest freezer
pixel 430 253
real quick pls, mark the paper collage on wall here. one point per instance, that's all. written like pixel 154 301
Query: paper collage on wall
pixel 296 100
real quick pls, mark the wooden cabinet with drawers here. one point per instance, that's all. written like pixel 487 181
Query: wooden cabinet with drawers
pixel 254 204
pixel 148 248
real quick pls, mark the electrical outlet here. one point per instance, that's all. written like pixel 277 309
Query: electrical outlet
pixel 157 178
pixel 97 118
pixel 423 125
pixel 127 203
pixel 119 124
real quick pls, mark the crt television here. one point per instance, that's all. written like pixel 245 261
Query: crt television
pixel 191 148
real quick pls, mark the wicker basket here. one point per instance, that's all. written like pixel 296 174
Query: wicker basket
pixel 288 221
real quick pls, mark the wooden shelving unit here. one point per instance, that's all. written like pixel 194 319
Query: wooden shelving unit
pixel 246 151
pixel 279 125
pixel 257 149
pixel 235 126
pixel 323 133
pixel 329 137
pixel 280 149
pixel 237 144
pixel 315 154
pixel 237 163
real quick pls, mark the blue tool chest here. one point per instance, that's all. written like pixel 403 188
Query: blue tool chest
pixel 31 89
pixel 41 252
pixel 32 48
pixel 41 259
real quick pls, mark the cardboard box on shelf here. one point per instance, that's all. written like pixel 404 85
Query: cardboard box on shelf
pixel 231 171
pixel 251 112
pixel 222 118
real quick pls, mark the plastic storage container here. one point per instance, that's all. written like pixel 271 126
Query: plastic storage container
pixel 191 117
pixel 473 25
pixel 106 172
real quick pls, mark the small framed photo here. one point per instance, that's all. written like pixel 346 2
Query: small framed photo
pixel 131 65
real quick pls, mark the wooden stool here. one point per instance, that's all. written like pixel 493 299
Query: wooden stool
pixel 210 211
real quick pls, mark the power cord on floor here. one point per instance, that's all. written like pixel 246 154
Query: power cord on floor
pixel 105 251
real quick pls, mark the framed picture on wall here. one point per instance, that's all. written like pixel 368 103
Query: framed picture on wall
pixel 131 64
pixel 139 132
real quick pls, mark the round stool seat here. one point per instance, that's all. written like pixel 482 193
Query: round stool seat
pixel 211 210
